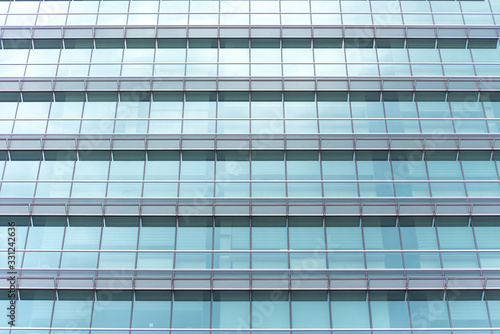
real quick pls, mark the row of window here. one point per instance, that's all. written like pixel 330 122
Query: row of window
pixel 255 56
pixel 255 96
pixel 269 264
pixel 97 190
pixel 243 70
pixel 239 310
pixel 235 167
pixel 135 107
pixel 274 6
pixel 247 57
pixel 254 43
pixel 266 233
pixel 265 128
pixel 244 20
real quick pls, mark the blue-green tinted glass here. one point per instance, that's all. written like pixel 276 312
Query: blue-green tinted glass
pixel 349 309
pixel 467 309
pixel 151 309
pixel 270 309
pixel 306 233
pixel 389 309
pixel 191 309
pixel 310 309
pixel 343 233
pixel 428 309
pixel 269 233
pixel 73 307
pixel 112 309
pixel 230 309
pixel 194 233
pixel 231 233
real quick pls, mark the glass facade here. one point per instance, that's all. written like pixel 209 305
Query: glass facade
pixel 253 167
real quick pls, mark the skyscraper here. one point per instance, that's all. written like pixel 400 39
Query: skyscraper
pixel 250 166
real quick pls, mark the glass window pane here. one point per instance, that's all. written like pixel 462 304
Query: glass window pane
pixel 310 309
pixel 381 238
pixel 350 309
pixel 45 237
pixel 467 309
pixel 117 260
pixel 303 165
pixel 389 309
pixel 494 307
pixel 308 261
pixel 230 308
pixel 418 237
pixel 79 260
pixel 417 260
pixel 428 309
pixel 155 260
pixel 151 309
pixel 112 309
pixel 270 309
pixel 157 233
pixel 384 260
pixel 73 307
pixel 269 233
pixel 83 233
pixel 269 261
pixel 460 260
pixel 306 233
pixel 231 260
pixel 486 236
pixel 232 233
pixel 343 233
pixel 191 309
pixel 194 233
pixel 122 238
pixel 193 260
pixel 37 312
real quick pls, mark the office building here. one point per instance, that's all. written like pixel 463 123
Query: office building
pixel 256 166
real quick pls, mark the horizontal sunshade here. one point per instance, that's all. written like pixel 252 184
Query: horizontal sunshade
pixel 258 43
pixel 246 155
pixel 221 296
pixel 254 221
pixel 202 96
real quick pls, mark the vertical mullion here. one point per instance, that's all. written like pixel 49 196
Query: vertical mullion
pixel 132 305
pixel 30 218
pixel 485 299
pixel 447 300
pixel 62 247
pixel 287 226
pixel 94 298
pixel 181 141
pixel 361 226
pixel 173 272
pixel 175 249
pixel 2 170
pixel 355 154
pixel 471 224
pixel 41 159
pixel 137 253
pixel 76 151
pixel 438 244
pixel 369 306
pixel 53 308
pixel 100 245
